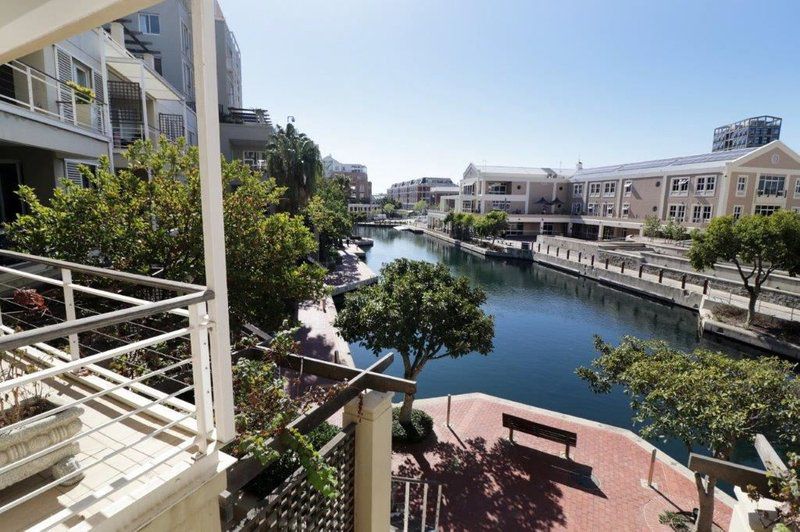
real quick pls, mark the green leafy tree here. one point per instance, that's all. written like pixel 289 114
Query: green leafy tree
pixel 652 226
pixel 492 225
pixel 423 312
pixel 131 224
pixel 674 231
pixel 421 206
pixel 704 399
pixel 389 210
pixel 328 216
pixel 757 245
pixel 293 160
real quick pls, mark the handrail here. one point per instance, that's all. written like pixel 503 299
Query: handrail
pixel 175 286
pixel 417 480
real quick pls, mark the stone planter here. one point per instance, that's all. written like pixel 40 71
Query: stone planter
pixel 17 443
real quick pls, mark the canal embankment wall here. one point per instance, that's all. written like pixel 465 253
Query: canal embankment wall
pixel 509 253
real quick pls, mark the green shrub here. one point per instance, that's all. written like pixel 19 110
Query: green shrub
pixel 289 462
pixel 418 430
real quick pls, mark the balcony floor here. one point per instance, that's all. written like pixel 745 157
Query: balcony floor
pixel 89 502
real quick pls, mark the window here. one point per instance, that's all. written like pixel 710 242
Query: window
pixel 576 207
pixel 701 214
pixel 255 159
pixel 148 24
pixel 497 188
pixel 679 186
pixel 186 39
pixel 628 188
pixel 797 188
pixel 609 188
pixel 677 212
pixel 591 208
pixel 737 212
pixel 771 185
pixel 81 74
pixel 72 171
pixel 741 185
pixel 188 80
pixel 608 209
pixel 499 205
pixel 594 189
pixel 705 185
pixel 767 210
pixel 626 209
pixel 577 189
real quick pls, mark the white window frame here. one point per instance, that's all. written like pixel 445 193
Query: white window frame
pixel 772 178
pixel 679 212
pixel 702 213
pixel 186 38
pixel 591 209
pixel 682 188
pixel 705 185
pixel 608 210
pixel 741 186
pixel 188 78
pixel 609 189
pixel 146 27
pixel 577 189
pixel 577 206
pixel 772 208
pixel 626 210
pixel 738 210
pixel 627 187
pixel 797 187
pixel 595 189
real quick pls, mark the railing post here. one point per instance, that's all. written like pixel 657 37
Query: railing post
pixel 201 373
pixel 606 263
pixel 652 467
pixel 557 250
pixel 31 106
pixel 424 505
pixel 568 254
pixel 548 249
pixel 622 268
pixel 449 398
pixel 683 281
pixel 540 247
pixel 592 261
pixel 705 287
pixel 580 256
pixel 660 276
pixel 69 309
pixel 641 268
pixel 74 108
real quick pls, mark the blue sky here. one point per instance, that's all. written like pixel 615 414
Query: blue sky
pixel 422 88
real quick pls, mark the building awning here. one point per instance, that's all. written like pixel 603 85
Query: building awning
pixel 132 69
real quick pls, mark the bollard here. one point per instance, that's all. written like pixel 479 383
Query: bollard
pixel 622 268
pixel 705 287
pixel 592 261
pixel 557 250
pixel 548 249
pixel 641 267
pixel 683 282
pixel 660 276
pixel 652 468
pixel 449 397
pixel 606 264
pixel 580 255
pixel 567 254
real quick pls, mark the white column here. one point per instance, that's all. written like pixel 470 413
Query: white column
pixel 373 476
pixel 205 72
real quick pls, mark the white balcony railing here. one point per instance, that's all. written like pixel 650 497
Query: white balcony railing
pixel 125 355
pixel 126 133
pixel 45 95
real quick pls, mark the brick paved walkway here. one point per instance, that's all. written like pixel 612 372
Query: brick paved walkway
pixel 493 484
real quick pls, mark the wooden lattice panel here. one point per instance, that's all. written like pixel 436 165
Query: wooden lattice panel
pixel 297 505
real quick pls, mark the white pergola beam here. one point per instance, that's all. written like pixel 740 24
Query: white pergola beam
pixel 30 25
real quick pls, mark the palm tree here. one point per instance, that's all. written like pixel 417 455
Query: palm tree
pixel 294 161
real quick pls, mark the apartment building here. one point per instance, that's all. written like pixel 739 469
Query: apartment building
pixel 163 32
pixel 613 201
pixel 513 189
pixel 69 103
pixel 360 186
pixel 410 192
pixel 748 133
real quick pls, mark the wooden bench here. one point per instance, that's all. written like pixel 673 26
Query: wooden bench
pixel 569 439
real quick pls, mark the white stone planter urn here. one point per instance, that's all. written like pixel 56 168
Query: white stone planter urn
pixel 18 443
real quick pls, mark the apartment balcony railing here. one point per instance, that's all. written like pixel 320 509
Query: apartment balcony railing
pixel 236 115
pixel 45 95
pixel 122 362
pixel 126 133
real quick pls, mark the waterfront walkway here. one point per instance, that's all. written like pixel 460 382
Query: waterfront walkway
pixel 492 484
pixel 720 296
pixel 352 273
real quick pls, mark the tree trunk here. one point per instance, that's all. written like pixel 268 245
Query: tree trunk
pixel 705 493
pixel 405 410
pixel 751 307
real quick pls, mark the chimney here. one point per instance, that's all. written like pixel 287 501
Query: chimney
pixel 579 166
pixel 118 33
pixel 149 60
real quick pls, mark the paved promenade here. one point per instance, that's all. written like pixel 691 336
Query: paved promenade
pixel 352 273
pixel 493 484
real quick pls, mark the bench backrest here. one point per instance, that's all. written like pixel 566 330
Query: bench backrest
pixel 542 431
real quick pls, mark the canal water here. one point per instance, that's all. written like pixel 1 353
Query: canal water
pixel 545 322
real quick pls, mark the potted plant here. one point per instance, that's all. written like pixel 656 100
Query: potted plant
pixel 18 441
pixel 84 98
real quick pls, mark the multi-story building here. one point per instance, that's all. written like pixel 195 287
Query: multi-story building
pixel 613 201
pixel 747 133
pixel 410 192
pixel 444 197
pixel 360 186
pixel 162 33
pixel 513 189
pixel 67 104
